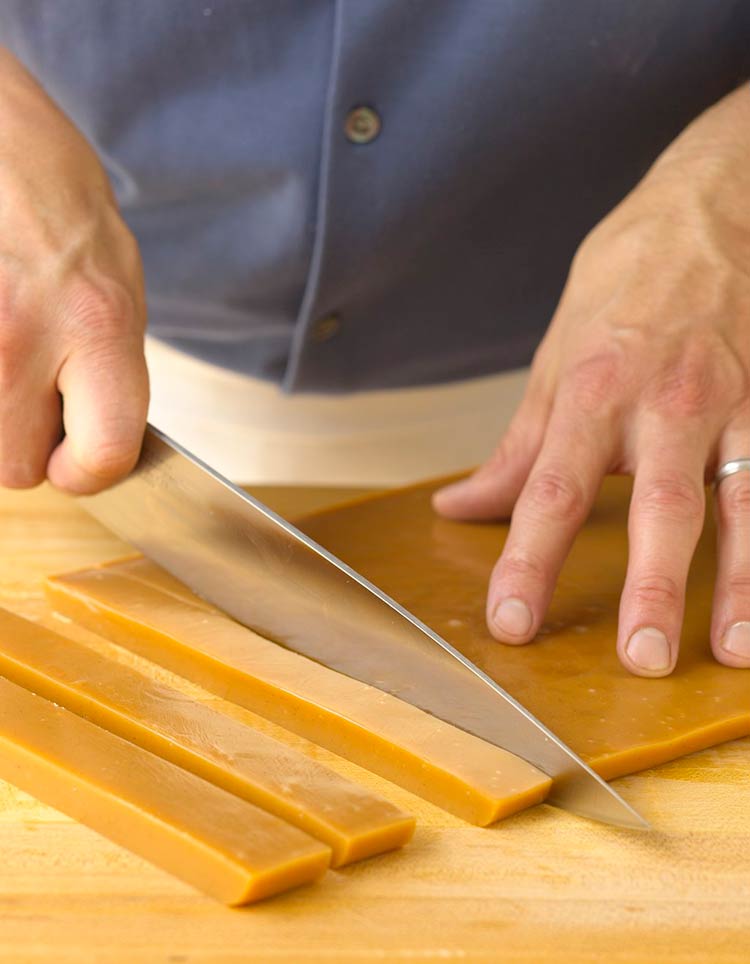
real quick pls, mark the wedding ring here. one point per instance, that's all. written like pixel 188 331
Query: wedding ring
pixel 731 468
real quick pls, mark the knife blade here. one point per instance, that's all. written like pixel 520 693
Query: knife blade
pixel 241 556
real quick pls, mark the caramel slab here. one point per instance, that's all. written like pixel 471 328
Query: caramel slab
pixel 354 822
pixel 570 677
pixel 221 844
pixel 443 764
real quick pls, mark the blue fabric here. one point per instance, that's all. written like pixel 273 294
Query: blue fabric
pixel 509 128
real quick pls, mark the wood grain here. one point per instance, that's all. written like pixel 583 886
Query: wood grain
pixel 541 886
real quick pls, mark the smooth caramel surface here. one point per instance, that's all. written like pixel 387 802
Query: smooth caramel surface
pixel 354 822
pixel 570 677
pixel 445 765
pixel 224 846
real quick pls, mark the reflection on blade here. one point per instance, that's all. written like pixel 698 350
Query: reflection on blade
pixel 241 556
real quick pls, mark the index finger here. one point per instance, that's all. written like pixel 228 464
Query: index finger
pixel 105 401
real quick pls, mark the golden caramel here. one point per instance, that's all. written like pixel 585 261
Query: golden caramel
pixel 452 768
pixel 224 846
pixel 570 677
pixel 354 822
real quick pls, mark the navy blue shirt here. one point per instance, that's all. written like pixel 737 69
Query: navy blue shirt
pixel 276 244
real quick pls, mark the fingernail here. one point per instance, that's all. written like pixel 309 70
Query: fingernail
pixel 649 649
pixel 737 640
pixel 512 617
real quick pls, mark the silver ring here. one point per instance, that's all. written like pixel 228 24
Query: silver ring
pixel 731 468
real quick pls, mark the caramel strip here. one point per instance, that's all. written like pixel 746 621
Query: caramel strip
pixel 453 769
pixel 224 846
pixel 354 822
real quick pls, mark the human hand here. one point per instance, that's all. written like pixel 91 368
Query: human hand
pixel 645 370
pixel 72 309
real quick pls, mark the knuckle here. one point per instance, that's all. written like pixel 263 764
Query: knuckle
pixel 111 456
pixel 523 568
pixel 557 493
pixel 674 497
pixel 657 590
pixel 101 309
pixel 737 583
pixel 130 245
pixel 688 387
pixel 598 382
pixel 127 249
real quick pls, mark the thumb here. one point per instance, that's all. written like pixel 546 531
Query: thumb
pixel 491 491
pixel 105 401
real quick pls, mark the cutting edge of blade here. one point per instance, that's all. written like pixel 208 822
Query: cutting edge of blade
pixel 628 816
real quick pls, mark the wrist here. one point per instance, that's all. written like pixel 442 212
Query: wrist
pixel 710 161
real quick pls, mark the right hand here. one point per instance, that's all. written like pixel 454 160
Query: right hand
pixel 73 380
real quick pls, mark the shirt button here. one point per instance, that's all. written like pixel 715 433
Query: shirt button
pixel 326 328
pixel 362 125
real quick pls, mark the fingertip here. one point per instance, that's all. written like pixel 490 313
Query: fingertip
pixel 450 501
pixel 733 649
pixel 636 670
pixel 511 621
pixel 648 653
pixel 481 497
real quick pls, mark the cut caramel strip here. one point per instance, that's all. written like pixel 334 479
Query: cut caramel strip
pixel 146 571
pixel 355 823
pixel 453 769
pixel 224 846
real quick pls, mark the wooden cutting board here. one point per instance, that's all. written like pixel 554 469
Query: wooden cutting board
pixel 541 886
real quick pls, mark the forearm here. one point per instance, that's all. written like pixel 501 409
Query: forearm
pixel 40 145
pixel 72 309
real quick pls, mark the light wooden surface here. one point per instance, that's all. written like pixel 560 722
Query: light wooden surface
pixel 543 886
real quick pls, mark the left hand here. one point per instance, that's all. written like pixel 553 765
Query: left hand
pixel 645 370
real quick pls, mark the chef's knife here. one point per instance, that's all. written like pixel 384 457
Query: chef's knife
pixel 235 552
